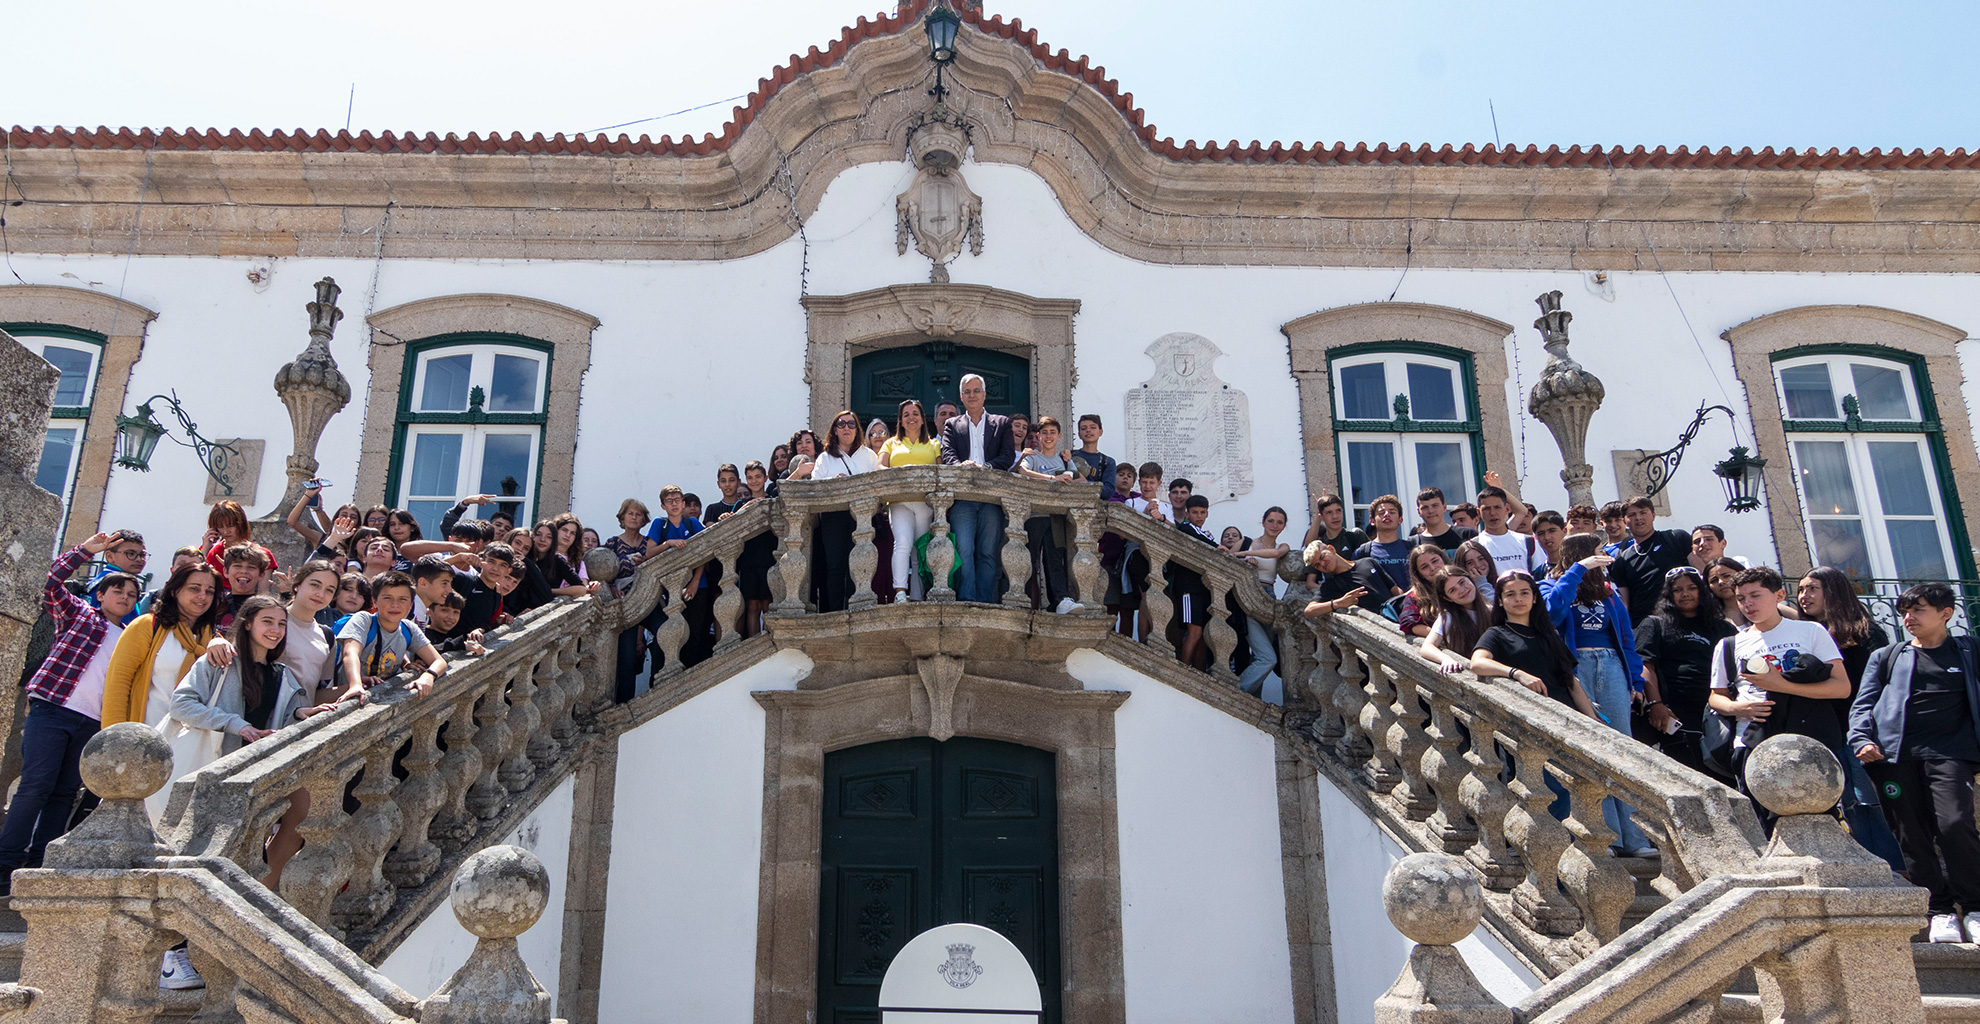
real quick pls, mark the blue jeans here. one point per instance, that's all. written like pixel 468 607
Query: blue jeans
pixel 1264 657
pixel 51 757
pixel 978 527
pixel 1602 675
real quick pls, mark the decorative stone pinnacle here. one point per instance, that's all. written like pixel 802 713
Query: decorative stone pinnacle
pixel 122 765
pixel 497 895
pixel 323 313
pixel 1565 399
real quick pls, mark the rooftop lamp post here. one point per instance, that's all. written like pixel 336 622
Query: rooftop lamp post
pixel 941 24
pixel 137 437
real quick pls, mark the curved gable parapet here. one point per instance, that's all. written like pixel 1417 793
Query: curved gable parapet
pixel 743 191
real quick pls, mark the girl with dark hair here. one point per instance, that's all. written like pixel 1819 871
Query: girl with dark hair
pixel 570 537
pixel 1675 643
pixel 911 445
pixel 1594 623
pixel 1521 645
pixel 551 564
pixel 1425 560
pixel 376 515
pixel 158 648
pixel 1827 596
pixel 780 463
pixel 845 455
pixel 1719 573
pixel 403 530
pixel 1478 563
pixel 1458 613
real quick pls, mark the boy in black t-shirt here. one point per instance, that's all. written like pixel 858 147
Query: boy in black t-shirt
pixel 1344 583
pixel 1186 585
pixel 1915 725
pixel 1434 528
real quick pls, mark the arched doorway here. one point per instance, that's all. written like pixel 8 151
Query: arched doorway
pixel 918 833
pixel 931 371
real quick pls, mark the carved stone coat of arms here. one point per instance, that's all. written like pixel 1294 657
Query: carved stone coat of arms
pixel 938 213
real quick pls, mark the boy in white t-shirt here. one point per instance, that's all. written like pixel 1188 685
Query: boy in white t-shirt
pixel 1766 703
pixel 1511 552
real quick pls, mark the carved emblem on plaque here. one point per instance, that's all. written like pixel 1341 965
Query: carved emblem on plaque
pixel 959 970
pixel 938 212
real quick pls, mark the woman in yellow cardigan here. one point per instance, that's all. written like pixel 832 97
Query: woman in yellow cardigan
pixel 159 648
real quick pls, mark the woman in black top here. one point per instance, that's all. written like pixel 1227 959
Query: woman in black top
pixel 1676 643
pixel 1523 646
pixel 1827 596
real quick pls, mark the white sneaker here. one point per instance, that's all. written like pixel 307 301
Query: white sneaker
pixel 177 972
pixel 1066 606
pixel 1973 926
pixel 1945 928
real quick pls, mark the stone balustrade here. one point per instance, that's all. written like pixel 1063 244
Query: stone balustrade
pixel 111 900
pixel 1462 765
pixel 1823 925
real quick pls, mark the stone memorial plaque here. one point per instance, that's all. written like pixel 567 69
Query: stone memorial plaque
pixel 1632 480
pixel 960 974
pixel 1195 425
pixel 243 472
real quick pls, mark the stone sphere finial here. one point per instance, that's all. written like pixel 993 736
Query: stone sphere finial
pixel 1433 898
pixel 500 892
pixel 1794 774
pixel 128 761
pixel 601 564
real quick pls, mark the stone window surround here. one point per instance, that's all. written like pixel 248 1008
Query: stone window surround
pixel 1757 342
pixel 566 330
pixel 839 327
pixel 1311 337
pixel 803 725
pixel 123 325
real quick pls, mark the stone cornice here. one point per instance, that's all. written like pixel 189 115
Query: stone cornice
pixel 747 197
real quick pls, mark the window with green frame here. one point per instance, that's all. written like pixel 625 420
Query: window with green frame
pixel 1869 460
pixel 77 354
pixel 471 415
pixel 1405 418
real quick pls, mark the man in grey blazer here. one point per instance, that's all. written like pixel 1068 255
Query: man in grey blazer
pixel 977 437
pixel 1915 725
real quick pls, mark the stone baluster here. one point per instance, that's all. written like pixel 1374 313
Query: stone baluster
pixel 1323 681
pixel 673 633
pixel 1540 840
pixel 1444 768
pixel 486 796
pixel 1436 901
pixel 455 824
pixel 516 771
pixel 498 894
pixel 728 604
pixel 1409 740
pixel 793 565
pixel 865 558
pixel 1487 801
pixel 1354 746
pixel 1378 713
pixel 1086 571
pixel 543 749
pixel 1221 636
pixel 1017 552
pixel 1597 883
pixel 941 548
pixel 370 833
pixel 314 875
pixel 419 798
pixel 571 658
pixel 1156 603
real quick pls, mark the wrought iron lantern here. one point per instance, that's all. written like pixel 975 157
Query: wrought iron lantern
pixel 941 24
pixel 137 438
pixel 1741 475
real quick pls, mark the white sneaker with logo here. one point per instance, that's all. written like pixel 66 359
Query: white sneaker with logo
pixel 1066 606
pixel 1945 928
pixel 177 972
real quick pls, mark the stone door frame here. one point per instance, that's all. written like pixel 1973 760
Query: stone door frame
pixel 940 702
pixel 839 327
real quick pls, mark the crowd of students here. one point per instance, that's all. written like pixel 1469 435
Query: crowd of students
pixel 1658 634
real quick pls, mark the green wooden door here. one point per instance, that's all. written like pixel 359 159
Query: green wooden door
pixel 931 372
pixel 918 833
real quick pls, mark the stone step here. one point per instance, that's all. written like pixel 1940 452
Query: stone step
pixel 1947 968
pixel 1939 1009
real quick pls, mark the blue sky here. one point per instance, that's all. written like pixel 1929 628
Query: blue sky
pixel 1669 73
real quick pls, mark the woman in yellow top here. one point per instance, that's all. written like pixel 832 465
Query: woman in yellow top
pixel 910 446
pixel 158 648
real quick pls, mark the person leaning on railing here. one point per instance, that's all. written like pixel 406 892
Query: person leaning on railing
pixel 1046 534
pixel 911 445
pixel 1344 584
pixel 845 455
pixel 977 437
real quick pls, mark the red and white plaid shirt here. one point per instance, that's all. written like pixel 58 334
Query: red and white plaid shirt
pixel 79 632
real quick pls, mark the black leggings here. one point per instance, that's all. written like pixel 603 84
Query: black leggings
pixel 831 570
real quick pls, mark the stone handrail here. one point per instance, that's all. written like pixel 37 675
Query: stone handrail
pixel 1823 925
pixel 1410 736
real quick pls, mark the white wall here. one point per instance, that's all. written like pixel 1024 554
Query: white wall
pixel 439 946
pixel 695 364
pixel 1203 911
pixel 687 827
pixel 1368 951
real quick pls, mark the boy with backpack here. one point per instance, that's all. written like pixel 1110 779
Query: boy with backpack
pixel 376 645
